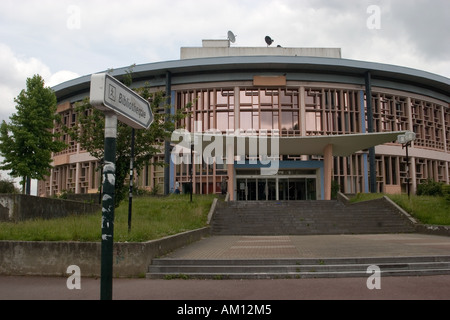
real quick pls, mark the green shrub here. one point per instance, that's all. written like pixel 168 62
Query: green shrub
pixel 7 186
pixel 430 188
pixel 334 189
pixel 446 191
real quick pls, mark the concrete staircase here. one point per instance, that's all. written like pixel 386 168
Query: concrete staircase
pixel 302 218
pixel 308 218
pixel 297 268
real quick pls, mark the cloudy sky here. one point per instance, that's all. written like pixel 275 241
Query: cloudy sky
pixel 64 39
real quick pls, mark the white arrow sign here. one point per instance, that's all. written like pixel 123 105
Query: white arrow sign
pixel 107 93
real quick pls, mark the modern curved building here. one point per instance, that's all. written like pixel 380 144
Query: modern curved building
pixel 311 103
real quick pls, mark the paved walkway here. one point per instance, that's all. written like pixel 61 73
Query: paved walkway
pixel 392 288
pixel 316 246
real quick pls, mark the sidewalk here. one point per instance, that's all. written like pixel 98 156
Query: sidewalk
pixel 316 246
pixel 392 288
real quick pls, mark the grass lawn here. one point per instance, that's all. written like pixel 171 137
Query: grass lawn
pixel 152 218
pixel 426 209
pixel 157 217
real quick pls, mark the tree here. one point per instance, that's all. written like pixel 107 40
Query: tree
pixel 7 186
pixel 90 134
pixel 27 142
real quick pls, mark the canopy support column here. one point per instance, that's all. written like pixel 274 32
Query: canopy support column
pixel 328 170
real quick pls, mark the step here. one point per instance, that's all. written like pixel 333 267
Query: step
pixel 297 268
pixel 232 269
pixel 307 217
pixel 296 275
pixel 302 261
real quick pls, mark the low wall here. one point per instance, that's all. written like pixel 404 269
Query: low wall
pixel 20 207
pixel 419 227
pixel 85 197
pixel 433 230
pixel 53 258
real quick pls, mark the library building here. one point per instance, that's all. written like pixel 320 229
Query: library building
pixel 288 123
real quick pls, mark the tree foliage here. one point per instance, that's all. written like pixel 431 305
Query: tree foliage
pixel 7 186
pixel 27 142
pixel 90 134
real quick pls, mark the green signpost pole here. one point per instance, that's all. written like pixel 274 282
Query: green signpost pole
pixel 118 102
pixel 109 178
pixel 130 194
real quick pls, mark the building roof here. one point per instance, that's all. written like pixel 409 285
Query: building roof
pixel 243 68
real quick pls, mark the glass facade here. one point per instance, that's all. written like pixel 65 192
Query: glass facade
pixel 311 111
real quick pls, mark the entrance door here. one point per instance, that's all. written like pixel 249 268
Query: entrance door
pixel 262 189
pixel 311 189
pixel 247 189
pixel 251 189
pixel 297 189
pixel 271 189
pixel 283 189
pixel 241 189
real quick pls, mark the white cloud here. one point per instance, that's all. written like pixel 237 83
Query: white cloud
pixel 14 67
pixel 60 77
pixel 45 37
pixel 91 36
pixel 14 71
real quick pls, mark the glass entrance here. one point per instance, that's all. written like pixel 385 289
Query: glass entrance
pixel 271 189
pixel 262 189
pixel 311 193
pixel 256 189
pixel 251 189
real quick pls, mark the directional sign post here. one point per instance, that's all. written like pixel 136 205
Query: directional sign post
pixel 118 102
pixel 109 94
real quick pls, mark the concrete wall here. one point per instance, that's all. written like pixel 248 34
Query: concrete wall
pixel 433 230
pixel 216 51
pixel 19 207
pixel 53 258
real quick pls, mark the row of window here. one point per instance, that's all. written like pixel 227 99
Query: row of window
pixel 326 111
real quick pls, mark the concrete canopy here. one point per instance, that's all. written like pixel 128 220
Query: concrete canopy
pixel 212 144
pixel 253 145
pixel 343 145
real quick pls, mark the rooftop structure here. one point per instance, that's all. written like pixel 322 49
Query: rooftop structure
pixel 223 48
